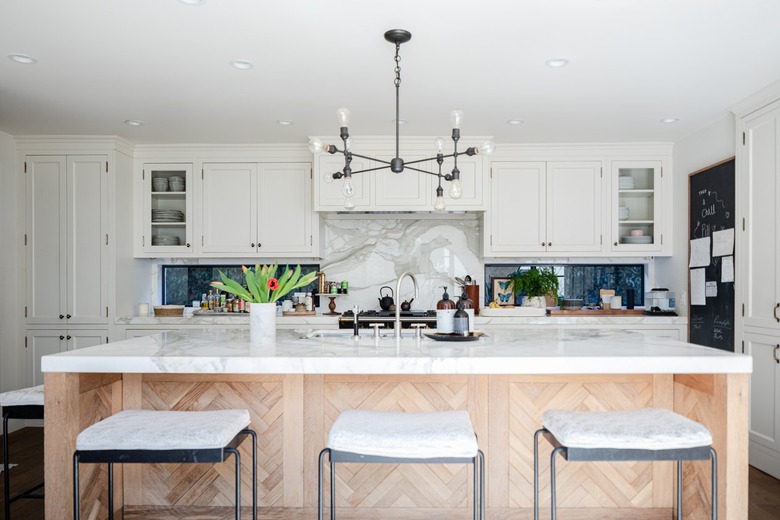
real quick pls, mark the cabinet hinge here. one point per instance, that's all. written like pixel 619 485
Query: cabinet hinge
pixel 601 239
pixel 601 173
pixel 491 240
pixel 662 172
pixel 491 173
pixel 106 238
pixel 202 174
pixel 311 173
pixel 25 239
pixel 25 311
pixel 143 240
pixel 743 223
pixel 743 309
pixel 662 239
pixel 106 339
pixel 743 138
pixel 25 342
pixel 25 166
pixel 202 240
pixel 106 311
pixel 143 174
pixel 743 346
pixel 311 240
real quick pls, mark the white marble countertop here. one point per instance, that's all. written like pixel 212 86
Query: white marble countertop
pixel 533 351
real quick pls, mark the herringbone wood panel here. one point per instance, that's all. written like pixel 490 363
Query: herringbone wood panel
pixel 96 406
pixel 213 484
pixel 592 484
pixel 399 485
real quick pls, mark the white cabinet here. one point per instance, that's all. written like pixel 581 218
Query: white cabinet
pixel 764 402
pixel 43 342
pixel 167 209
pixel 328 194
pixel 637 214
pixel 257 209
pixel 472 180
pixel 67 239
pixel 545 207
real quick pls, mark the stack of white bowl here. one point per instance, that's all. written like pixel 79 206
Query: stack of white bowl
pixel 165 240
pixel 176 183
pixel 159 184
pixel 625 183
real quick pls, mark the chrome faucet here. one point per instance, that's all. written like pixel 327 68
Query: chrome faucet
pixel 397 325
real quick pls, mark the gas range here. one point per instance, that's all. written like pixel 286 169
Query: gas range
pixel 387 318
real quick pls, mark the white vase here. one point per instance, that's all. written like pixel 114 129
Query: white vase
pixel 534 301
pixel 262 323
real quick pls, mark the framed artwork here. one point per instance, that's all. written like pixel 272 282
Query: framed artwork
pixel 502 291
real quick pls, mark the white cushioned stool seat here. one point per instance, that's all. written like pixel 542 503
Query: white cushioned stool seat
pixel 645 429
pixel 404 434
pixel 32 396
pixel 163 430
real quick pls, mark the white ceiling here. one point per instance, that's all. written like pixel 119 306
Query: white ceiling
pixel 632 63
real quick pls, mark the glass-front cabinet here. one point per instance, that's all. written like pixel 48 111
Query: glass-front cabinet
pixel 637 206
pixel 167 209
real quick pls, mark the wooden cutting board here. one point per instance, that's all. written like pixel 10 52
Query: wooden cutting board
pixel 596 313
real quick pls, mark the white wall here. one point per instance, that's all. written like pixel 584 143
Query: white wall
pixel 709 145
pixel 11 266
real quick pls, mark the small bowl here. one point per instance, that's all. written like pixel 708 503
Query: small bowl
pixel 636 233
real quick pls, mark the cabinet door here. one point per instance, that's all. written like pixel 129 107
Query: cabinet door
pixel 167 213
pixel 760 241
pixel 328 191
pixel 229 208
pixel 472 180
pixel 574 207
pixel 41 343
pixel 637 194
pixel 285 214
pixel 764 402
pixel 87 239
pixel 517 207
pixel 402 191
pixel 77 339
pixel 46 250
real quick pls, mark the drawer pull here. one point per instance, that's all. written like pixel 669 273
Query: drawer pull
pixel 775 312
pixel 774 354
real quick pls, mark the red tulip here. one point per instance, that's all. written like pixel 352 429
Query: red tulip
pixel 273 284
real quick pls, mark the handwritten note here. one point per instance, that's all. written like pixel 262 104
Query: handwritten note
pixel 723 242
pixel 727 269
pixel 711 289
pixel 700 252
pixel 698 287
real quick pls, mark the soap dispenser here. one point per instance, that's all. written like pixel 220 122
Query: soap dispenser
pixel 445 312
pixel 460 321
pixel 468 306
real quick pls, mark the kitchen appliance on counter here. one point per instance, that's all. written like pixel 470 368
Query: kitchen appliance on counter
pixel 386 318
pixel 660 302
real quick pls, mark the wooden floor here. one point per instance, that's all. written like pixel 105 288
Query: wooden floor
pixel 27 452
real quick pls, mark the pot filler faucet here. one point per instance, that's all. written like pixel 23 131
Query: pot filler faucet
pixel 397 325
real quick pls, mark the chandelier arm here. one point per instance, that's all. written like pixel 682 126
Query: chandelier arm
pixel 371 169
pixel 406 167
pixel 371 159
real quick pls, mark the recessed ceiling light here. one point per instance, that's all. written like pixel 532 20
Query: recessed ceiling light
pixel 134 122
pixel 241 64
pixel 515 122
pixel 557 62
pixel 193 2
pixel 22 58
pixel 284 122
pixel 670 119
pixel 400 121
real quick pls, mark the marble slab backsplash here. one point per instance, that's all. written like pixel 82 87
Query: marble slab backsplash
pixel 373 253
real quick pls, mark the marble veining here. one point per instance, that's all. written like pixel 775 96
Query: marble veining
pixel 500 351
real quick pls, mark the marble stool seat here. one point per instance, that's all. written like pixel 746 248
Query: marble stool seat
pixel 363 436
pixel 652 434
pixel 151 436
pixel 26 403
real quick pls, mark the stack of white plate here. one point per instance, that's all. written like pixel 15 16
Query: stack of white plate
pixel 622 213
pixel 176 183
pixel 644 239
pixel 167 215
pixel 165 240
pixel 159 184
pixel 625 183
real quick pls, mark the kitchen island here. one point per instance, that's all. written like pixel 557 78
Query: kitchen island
pixel 295 388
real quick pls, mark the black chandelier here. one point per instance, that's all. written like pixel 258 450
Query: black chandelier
pixel 397 164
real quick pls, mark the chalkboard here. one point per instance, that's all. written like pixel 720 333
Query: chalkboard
pixel 711 260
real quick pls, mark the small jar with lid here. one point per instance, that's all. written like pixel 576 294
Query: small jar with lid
pixel 445 312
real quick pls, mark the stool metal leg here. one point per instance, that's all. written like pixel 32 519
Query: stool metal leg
pixel 76 486
pixel 536 471
pixel 319 482
pixel 553 512
pixel 254 471
pixel 332 487
pixel 679 489
pixel 6 471
pixel 237 458
pixel 714 457
pixel 110 491
pixel 481 457
pixel 476 488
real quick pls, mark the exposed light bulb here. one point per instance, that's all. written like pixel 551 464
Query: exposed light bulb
pixel 327 178
pixel 316 145
pixel 439 144
pixel 486 148
pixel 439 204
pixel 343 116
pixel 348 190
pixel 456 117
pixel 456 191
pixel 349 204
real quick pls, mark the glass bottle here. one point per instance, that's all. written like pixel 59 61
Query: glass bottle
pixel 445 311
pixel 460 321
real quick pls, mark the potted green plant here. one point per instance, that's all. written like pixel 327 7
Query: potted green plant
pixel 538 285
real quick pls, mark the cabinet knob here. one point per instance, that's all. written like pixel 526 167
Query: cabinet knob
pixel 252 244
pixel 542 244
pixel 615 243
pixel 259 244
pixel 69 337
pixel 62 337
pixel 188 244
pixel 62 316
pixel 549 244
pixel 68 316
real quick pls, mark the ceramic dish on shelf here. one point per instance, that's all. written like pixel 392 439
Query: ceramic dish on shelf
pixel 645 239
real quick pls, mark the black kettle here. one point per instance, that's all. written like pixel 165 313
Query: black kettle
pixel 385 302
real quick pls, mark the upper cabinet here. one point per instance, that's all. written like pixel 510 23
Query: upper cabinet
pixel 637 211
pixel 67 239
pixel 539 207
pixel 257 209
pixel 167 209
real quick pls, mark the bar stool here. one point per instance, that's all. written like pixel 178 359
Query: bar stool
pixel 652 434
pixel 363 436
pixel 151 436
pixel 26 403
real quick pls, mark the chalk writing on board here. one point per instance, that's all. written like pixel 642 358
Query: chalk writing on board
pixel 720 326
pixel 697 322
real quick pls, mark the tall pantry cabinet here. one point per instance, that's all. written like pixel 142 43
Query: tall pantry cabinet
pixel 758 268
pixel 68 245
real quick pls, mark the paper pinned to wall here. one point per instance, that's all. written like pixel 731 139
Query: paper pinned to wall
pixel 711 290
pixel 698 296
pixel 700 252
pixel 727 269
pixel 723 242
